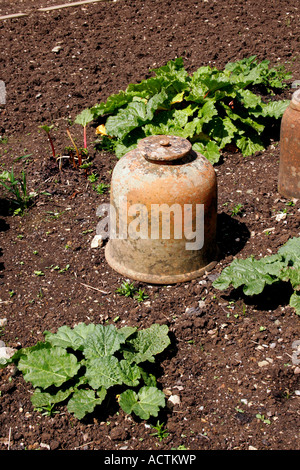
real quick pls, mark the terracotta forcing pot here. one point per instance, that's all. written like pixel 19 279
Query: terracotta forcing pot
pixel 289 166
pixel 163 212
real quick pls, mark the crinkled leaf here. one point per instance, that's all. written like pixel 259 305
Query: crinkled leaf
pixel 108 371
pixel 127 331
pixel 113 103
pixel 275 109
pixel 40 345
pixel 248 99
pixel 174 71
pixel 103 341
pixel 149 379
pixel 291 251
pixel 126 119
pixel 147 344
pixel 48 367
pixel 144 404
pixel 84 117
pixel 104 372
pixel 146 88
pixel 67 337
pixel 246 120
pixel 249 145
pixel 210 150
pixel 134 115
pixel 292 274
pixel 207 111
pixel 295 302
pixel 122 149
pixel 250 273
pixel 84 402
pixel 40 398
pixel 180 116
pixel 222 130
pixel 253 274
pixel 131 373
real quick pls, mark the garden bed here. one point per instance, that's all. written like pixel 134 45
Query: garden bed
pixel 231 356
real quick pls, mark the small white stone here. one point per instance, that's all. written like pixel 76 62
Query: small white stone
pixel 7 353
pixel 174 399
pixel 56 49
pixel 97 241
pixel 263 363
pixel 44 446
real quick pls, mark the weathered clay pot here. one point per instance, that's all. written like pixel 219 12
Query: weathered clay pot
pixel 159 193
pixel 289 167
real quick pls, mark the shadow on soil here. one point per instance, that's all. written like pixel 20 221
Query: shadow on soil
pixel 272 297
pixel 232 235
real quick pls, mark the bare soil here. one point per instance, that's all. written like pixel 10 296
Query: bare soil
pixel 231 357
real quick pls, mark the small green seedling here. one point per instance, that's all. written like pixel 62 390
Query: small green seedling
pixel 46 410
pixel 101 188
pixel 92 178
pixel 237 210
pixel 126 289
pixel 141 295
pixel 263 419
pixel 18 188
pixel 160 433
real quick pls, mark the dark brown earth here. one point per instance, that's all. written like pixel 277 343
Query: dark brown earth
pixel 232 358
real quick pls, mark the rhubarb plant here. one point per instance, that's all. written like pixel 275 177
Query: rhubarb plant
pixel 79 366
pixel 254 274
pixel 84 118
pixel 212 108
pixel 47 129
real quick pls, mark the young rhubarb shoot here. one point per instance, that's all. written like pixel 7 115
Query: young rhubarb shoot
pixel 83 119
pixel 47 129
pixel 76 149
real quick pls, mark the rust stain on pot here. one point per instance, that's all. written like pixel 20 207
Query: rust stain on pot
pixel 169 184
pixel 289 166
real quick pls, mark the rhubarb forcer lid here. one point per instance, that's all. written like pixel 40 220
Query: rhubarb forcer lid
pixel 164 147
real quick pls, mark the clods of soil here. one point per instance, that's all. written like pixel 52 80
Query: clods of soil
pixel 231 358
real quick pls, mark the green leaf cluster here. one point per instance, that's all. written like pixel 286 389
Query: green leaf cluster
pixel 79 365
pixel 21 198
pixel 211 108
pixel 254 275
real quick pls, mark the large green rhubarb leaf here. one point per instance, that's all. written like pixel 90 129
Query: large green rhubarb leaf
pixel 254 274
pixel 134 115
pixel 108 371
pixel 144 404
pixel 84 402
pixel 210 150
pixel 291 251
pixel 250 273
pixel 147 344
pixel 67 337
pixel 48 367
pixel 41 399
pixel 249 145
pixel 103 341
